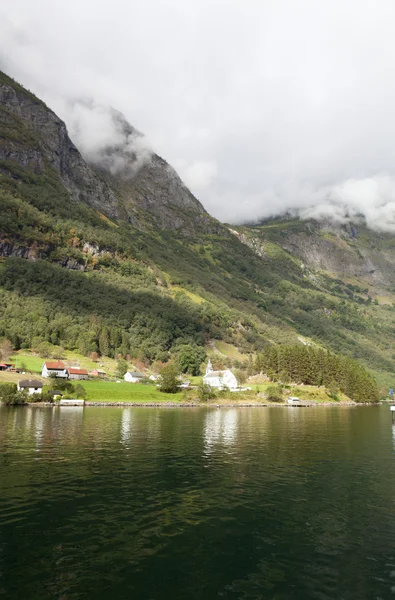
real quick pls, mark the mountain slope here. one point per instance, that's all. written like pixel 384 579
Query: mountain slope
pixel 102 276
pixel 352 271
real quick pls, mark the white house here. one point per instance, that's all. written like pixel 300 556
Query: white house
pixel 219 379
pixel 133 377
pixel 31 386
pixel 54 369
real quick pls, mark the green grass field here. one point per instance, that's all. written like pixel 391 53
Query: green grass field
pixel 33 362
pixel 195 379
pixel 111 391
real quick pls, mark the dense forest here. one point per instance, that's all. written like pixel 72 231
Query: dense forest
pixel 315 366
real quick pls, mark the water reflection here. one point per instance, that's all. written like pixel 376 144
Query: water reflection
pixel 39 426
pixel 126 426
pixel 220 426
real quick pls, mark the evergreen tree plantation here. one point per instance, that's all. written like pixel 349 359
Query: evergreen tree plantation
pixel 315 366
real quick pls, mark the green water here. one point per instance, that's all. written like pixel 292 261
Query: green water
pixel 140 503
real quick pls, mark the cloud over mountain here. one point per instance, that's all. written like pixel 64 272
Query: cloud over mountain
pixel 262 106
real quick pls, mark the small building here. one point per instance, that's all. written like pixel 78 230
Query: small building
pixel 54 369
pixel 133 377
pixel 77 373
pixel 55 394
pixel 154 377
pixel 5 366
pixel 220 379
pixel 97 373
pixel 31 386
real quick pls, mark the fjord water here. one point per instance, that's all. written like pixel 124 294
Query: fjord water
pixel 249 503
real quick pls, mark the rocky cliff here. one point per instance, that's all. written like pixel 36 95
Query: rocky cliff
pixel 34 140
pixel 117 181
pixel 340 250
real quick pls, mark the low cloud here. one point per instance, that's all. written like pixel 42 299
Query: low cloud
pixel 263 107
pixel 199 175
pixel 105 138
pixel 371 199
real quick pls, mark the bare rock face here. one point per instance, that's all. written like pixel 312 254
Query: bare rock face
pixel 125 180
pixel 38 139
pixel 340 250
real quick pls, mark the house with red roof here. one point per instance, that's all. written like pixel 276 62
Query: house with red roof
pixel 54 369
pixel 77 373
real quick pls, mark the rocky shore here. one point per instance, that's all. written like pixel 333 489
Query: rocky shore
pixel 223 404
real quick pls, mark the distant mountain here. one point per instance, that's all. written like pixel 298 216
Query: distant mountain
pixel 348 250
pixel 118 257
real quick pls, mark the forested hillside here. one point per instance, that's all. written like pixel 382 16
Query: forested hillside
pixel 92 269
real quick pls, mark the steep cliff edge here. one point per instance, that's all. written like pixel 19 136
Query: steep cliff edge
pixel 116 182
pixel 35 143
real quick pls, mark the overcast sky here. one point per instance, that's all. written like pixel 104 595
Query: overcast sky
pixel 261 105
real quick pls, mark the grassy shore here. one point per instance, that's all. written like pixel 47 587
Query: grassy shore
pixel 111 391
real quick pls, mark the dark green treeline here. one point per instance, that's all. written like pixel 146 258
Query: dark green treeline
pixel 315 366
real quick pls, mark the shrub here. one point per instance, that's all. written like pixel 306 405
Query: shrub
pixel 274 393
pixel 32 398
pixel 206 392
pixel 169 382
pixel 9 395
pixel 80 391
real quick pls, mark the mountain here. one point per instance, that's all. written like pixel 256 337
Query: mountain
pixel 116 182
pixel 116 256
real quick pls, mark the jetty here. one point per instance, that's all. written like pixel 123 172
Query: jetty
pixel 68 402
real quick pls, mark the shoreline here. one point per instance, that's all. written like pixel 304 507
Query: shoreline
pixel 307 404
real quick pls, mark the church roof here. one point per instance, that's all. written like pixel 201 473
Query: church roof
pixel 218 373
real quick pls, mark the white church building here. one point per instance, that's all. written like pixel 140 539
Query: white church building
pixel 219 379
